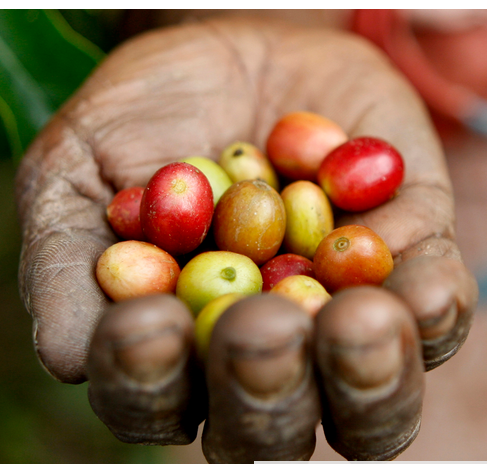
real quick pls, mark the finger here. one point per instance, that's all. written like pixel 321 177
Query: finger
pixel 64 300
pixel 143 383
pixel 371 374
pixel 263 402
pixel 61 200
pixel 442 295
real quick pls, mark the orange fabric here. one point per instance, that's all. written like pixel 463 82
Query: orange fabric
pixel 451 98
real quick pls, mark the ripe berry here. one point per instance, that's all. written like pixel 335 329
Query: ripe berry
pixel 361 174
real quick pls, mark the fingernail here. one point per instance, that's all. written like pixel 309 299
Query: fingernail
pixel 438 326
pixel 266 372
pixel 371 364
pixel 150 357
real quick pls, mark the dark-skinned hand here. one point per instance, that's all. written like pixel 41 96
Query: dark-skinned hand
pixel 273 373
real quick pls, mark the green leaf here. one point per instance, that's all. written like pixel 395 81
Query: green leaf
pixel 24 106
pixel 9 135
pixel 42 62
pixel 100 27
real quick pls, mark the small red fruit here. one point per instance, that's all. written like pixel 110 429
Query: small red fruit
pixel 123 213
pixel 177 208
pixel 352 255
pixel 299 142
pixel 361 174
pixel 283 266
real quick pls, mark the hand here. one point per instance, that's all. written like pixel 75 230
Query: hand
pixel 272 375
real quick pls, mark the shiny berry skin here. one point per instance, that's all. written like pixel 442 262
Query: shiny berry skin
pixel 361 174
pixel 352 255
pixel 132 269
pixel 123 213
pixel 282 266
pixel 299 142
pixel 177 208
pixel 250 219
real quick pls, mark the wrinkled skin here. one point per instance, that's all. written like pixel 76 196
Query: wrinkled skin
pixel 360 365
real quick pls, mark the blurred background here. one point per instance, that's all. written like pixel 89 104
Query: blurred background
pixel 43 421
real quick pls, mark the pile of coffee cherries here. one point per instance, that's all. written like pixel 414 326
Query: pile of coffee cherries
pixel 213 233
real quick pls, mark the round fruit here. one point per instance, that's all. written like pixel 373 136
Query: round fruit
pixel 123 213
pixel 282 266
pixel 250 219
pixel 177 208
pixel 299 142
pixel 244 161
pixel 309 217
pixel 215 174
pixel 361 174
pixel 207 318
pixel 133 269
pixel 352 255
pixel 214 273
pixel 305 291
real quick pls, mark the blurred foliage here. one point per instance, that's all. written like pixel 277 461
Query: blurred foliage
pixel 98 26
pixel 43 60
